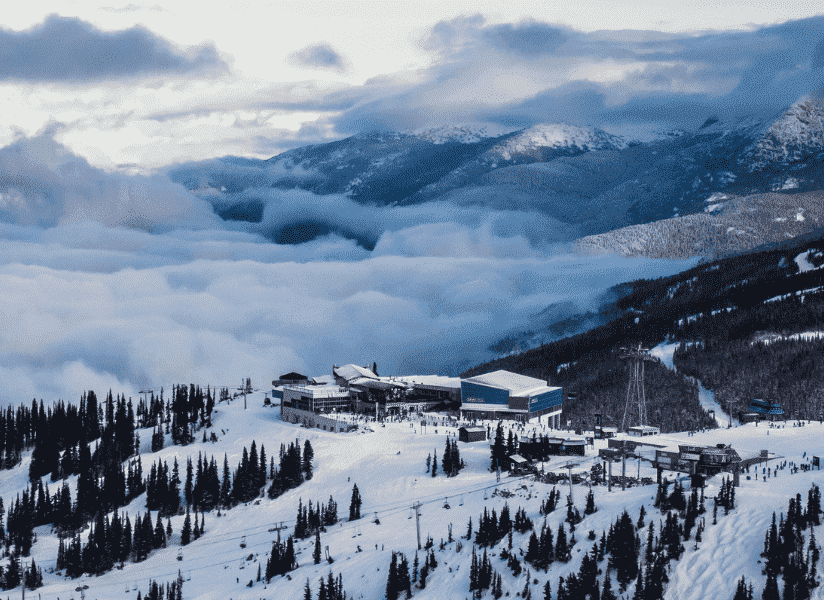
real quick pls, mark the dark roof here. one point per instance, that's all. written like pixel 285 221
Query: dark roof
pixel 294 377
pixel 473 429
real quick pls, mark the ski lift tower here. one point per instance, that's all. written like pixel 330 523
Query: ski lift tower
pixel 635 390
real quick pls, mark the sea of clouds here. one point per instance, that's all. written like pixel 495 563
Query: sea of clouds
pixel 111 281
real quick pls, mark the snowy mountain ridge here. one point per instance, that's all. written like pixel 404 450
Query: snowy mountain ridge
pixel 464 134
pixel 792 138
pixel 559 135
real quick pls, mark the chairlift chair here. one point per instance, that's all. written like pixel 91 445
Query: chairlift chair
pixel 243 542
pixel 461 503
pixel 446 503
pixel 180 554
pixel 410 514
pixel 188 575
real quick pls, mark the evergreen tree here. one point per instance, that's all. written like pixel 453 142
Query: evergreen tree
pixel 316 553
pixel 770 589
pixel 639 586
pixel 308 455
pixel 355 504
pixel 607 593
pixel 186 532
pixel 392 587
pixel 590 506
pixel 404 581
pixel 561 548
pixel 498 450
pixel 188 488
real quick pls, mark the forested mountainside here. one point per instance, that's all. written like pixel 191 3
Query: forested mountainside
pixel 778 368
pixel 599 385
pixel 727 225
pixel 725 306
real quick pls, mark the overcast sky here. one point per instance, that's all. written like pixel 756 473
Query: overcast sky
pixel 139 85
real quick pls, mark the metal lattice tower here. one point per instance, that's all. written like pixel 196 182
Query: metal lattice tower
pixel 635 389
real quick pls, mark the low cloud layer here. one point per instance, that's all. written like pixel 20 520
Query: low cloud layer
pixel 44 184
pixel 66 49
pixel 110 281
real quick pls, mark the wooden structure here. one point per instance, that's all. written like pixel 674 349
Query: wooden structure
pixel 471 434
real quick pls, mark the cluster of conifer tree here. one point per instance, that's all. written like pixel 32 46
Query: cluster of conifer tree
pixel 331 589
pixel 502 449
pixel 429 565
pixel 542 551
pixel 203 490
pixel 312 519
pixel 550 503
pixel 491 528
pixel 398 581
pixel 294 468
pixel 452 463
pixel 111 542
pixel 12 576
pixel 190 405
pixel 157 591
pixel 281 558
pixel 483 577
pixel 787 554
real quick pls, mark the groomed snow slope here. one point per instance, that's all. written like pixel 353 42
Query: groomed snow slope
pixel 388 466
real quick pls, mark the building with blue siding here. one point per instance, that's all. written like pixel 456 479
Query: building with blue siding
pixel 505 395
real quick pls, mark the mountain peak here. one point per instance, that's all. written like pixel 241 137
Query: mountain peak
pixel 462 133
pixel 562 135
pixel 794 136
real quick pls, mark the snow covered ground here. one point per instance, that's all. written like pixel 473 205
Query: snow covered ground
pixel 803 262
pixel 388 465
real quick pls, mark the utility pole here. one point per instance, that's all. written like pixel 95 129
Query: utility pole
pixel 569 466
pixel 82 589
pixel 623 470
pixel 277 528
pixel 417 507
pixel 609 485
pixel 242 389
pixel 23 587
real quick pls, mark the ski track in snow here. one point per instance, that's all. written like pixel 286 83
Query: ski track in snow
pixel 706 398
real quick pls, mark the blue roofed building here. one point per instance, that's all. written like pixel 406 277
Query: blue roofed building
pixel 763 409
pixel 505 395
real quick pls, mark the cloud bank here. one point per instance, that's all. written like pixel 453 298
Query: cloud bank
pixel 127 282
pixel 65 49
pixel 520 74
